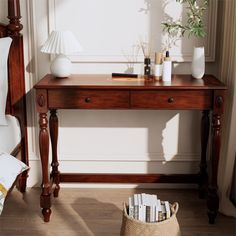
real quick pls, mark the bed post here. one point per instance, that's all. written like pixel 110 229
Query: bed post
pixel 16 94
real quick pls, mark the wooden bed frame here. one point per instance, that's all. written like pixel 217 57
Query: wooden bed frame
pixel 16 100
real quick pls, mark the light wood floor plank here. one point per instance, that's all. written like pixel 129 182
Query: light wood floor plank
pixel 89 212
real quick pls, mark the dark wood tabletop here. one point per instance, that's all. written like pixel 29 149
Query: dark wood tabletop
pixel 107 82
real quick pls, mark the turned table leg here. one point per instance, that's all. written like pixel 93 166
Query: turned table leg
pixel 53 124
pixel 45 198
pixel 212 197
pixel 203 176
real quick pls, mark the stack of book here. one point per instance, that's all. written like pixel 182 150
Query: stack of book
pixel 148 208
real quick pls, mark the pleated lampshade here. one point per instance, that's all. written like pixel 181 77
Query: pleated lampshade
pixel 61 42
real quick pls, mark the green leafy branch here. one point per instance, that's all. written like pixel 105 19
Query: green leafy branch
pixel 194 25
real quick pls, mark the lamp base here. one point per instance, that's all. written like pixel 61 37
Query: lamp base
pixel 61 66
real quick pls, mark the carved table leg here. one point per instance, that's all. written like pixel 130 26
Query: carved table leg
pixel 212 198
pixel 45 198
pixel 53 124
pixel 205 124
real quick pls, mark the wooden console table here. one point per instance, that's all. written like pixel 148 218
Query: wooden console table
pixel 102 92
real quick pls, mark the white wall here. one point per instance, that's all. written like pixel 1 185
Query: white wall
pixel 113 141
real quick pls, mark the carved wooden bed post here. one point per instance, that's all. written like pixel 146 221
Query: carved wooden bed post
pixel 16 93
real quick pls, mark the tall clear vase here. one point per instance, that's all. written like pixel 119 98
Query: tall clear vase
pixel 198 62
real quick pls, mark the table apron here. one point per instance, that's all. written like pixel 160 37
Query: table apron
pixel 129 99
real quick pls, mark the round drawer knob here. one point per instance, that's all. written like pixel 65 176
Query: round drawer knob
pixel 170 100
pixel 87 100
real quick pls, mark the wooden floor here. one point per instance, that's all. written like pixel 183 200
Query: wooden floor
pixel 99 212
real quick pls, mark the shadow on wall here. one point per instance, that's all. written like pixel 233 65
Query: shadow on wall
pixel 159 137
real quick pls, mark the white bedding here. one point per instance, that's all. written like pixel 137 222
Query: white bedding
pixel 10 135
pixel 4 49
pixel 10 168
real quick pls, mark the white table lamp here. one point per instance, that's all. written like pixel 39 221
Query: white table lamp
pixel 61 43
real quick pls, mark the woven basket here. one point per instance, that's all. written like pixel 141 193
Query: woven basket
pixel 132 227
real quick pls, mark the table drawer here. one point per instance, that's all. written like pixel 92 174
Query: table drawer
pixel 181 99
pixel 88 99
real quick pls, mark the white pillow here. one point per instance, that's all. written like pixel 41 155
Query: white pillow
pixel 5 44
pixel 10 168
